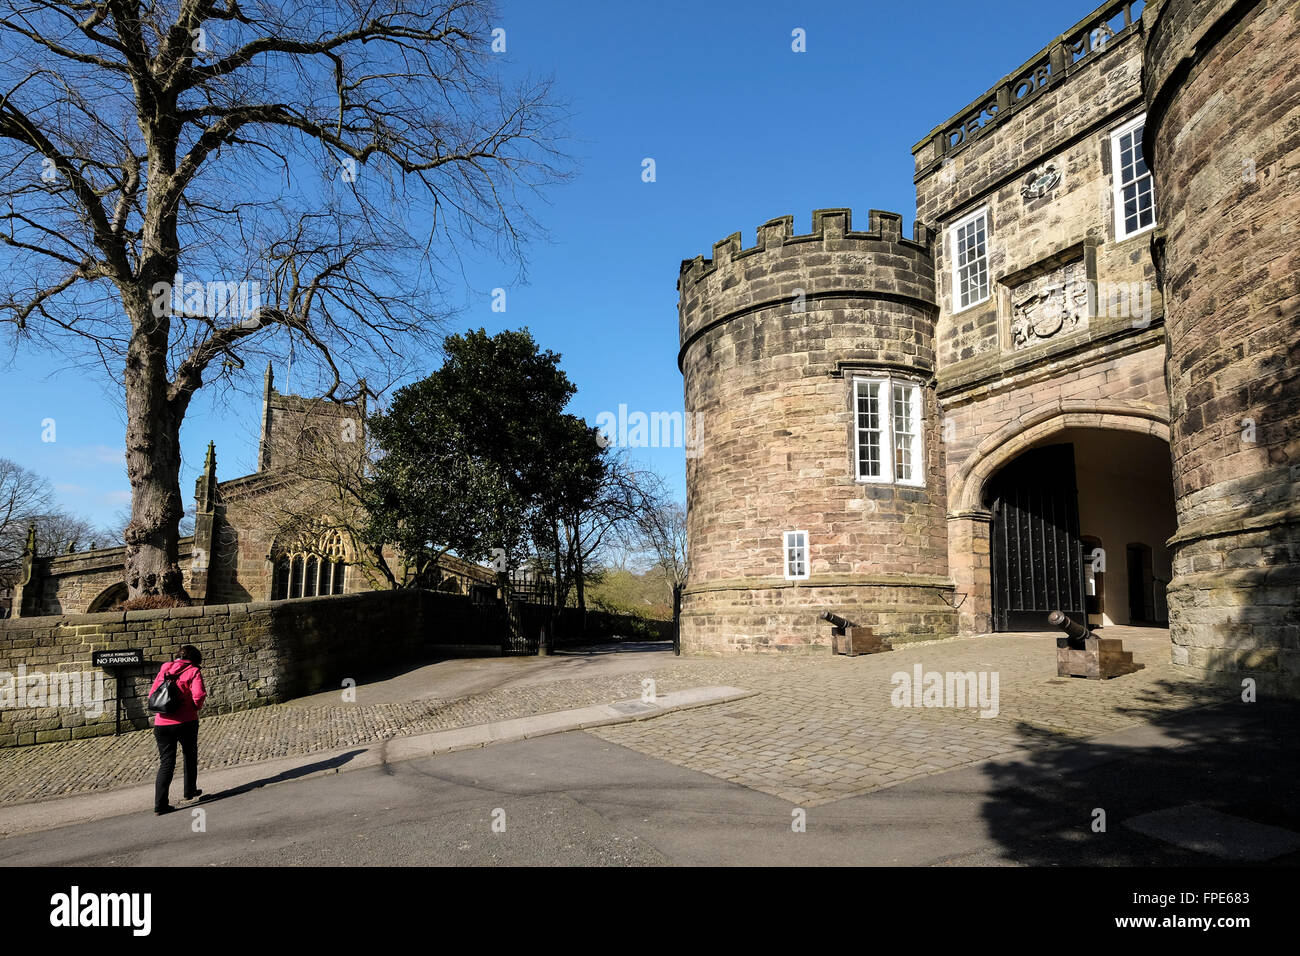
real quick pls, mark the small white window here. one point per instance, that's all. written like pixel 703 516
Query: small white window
pixel 796 555
pixel 968 242
pixel 887 430
pixel 1135 197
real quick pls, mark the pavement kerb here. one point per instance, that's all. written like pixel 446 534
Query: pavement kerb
pixel 56 812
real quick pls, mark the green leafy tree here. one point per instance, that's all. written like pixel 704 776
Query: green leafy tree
pixel 480 454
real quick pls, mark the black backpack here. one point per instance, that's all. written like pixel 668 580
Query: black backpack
pixel 168 697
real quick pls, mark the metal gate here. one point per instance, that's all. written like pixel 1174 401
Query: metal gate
pixel 1037 552
pixel 514 619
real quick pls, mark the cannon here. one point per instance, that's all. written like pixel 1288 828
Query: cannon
pixel 1080 652
pixel 1075 632
pixel 853 639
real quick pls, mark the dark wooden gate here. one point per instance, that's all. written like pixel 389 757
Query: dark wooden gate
pixel 1037 553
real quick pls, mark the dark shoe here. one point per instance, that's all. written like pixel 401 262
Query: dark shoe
pixel 194 796
pixel 159 811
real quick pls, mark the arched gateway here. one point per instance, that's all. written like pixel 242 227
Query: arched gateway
pixel 1078 507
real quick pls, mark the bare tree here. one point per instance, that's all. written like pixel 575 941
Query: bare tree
pixel 585 535
pixel 662 530
pixel 23 496
pixel 581 539
pixel 187 183
pixel 27 499
pixel 113 534
pixel 58 532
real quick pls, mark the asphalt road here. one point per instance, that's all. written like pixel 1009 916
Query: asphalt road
pixel 466 676
pixel 573 799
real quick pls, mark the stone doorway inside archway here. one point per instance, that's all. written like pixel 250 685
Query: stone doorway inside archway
pixel 1080 522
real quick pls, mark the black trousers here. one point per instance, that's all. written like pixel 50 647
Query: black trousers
pixel 167 737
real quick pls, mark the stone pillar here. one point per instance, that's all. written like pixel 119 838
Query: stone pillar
pixel 205 521
pixel 1222 97
pixel 969 561
pixel 27 593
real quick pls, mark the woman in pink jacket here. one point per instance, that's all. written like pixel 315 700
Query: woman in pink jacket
pixel 180 726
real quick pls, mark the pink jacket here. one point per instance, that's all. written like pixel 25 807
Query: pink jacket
pixel 193 693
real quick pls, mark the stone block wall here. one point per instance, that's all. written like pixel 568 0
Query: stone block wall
pixel 1223 139
pixel 1116 387
pixel 254 654
pixel 1059 128
pixel 771 339
pixel 1035 152
pixel 71 583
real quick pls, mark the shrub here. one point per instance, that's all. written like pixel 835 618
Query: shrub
pixel 152 602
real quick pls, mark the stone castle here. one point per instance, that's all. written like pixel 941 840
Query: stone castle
pixel 1074 387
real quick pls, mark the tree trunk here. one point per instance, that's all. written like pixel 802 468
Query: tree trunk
pixel 580 582
pixel 558 599
pixel 677 619
pixel 153 465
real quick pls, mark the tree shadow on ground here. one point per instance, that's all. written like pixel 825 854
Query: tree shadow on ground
pixel 1235 758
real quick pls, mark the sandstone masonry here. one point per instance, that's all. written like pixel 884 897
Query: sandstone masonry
pixel 1058 303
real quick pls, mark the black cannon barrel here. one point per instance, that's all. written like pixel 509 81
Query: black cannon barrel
pixel 835 619
pixel 1073 629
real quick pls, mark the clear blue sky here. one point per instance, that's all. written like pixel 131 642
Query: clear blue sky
pixel 741 128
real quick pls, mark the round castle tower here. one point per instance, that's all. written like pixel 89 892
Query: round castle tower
pixel 806 360
pixel 1221 140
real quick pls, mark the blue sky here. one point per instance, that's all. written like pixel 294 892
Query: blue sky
pixel 741 129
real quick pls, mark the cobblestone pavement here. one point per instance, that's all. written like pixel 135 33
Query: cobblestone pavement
pixel 822 728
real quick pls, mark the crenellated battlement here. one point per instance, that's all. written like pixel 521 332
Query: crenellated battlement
pixel 832 229
pixel 833 263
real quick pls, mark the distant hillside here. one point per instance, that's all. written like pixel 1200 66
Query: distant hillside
pixel 646 593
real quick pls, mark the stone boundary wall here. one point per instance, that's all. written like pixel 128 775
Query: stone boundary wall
pixel 253 654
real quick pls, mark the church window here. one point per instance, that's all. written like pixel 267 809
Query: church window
pixel 280 582
pixel 295 578
pixel 317 568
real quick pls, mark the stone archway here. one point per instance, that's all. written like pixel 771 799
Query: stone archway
pixel 969 517
pixel 966 492
pixel 109 598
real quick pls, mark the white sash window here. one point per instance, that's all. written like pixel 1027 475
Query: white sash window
pixel 968 242
pixel 887 430
pixel 1135 197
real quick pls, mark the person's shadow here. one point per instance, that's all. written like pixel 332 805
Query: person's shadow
pixel 333 763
